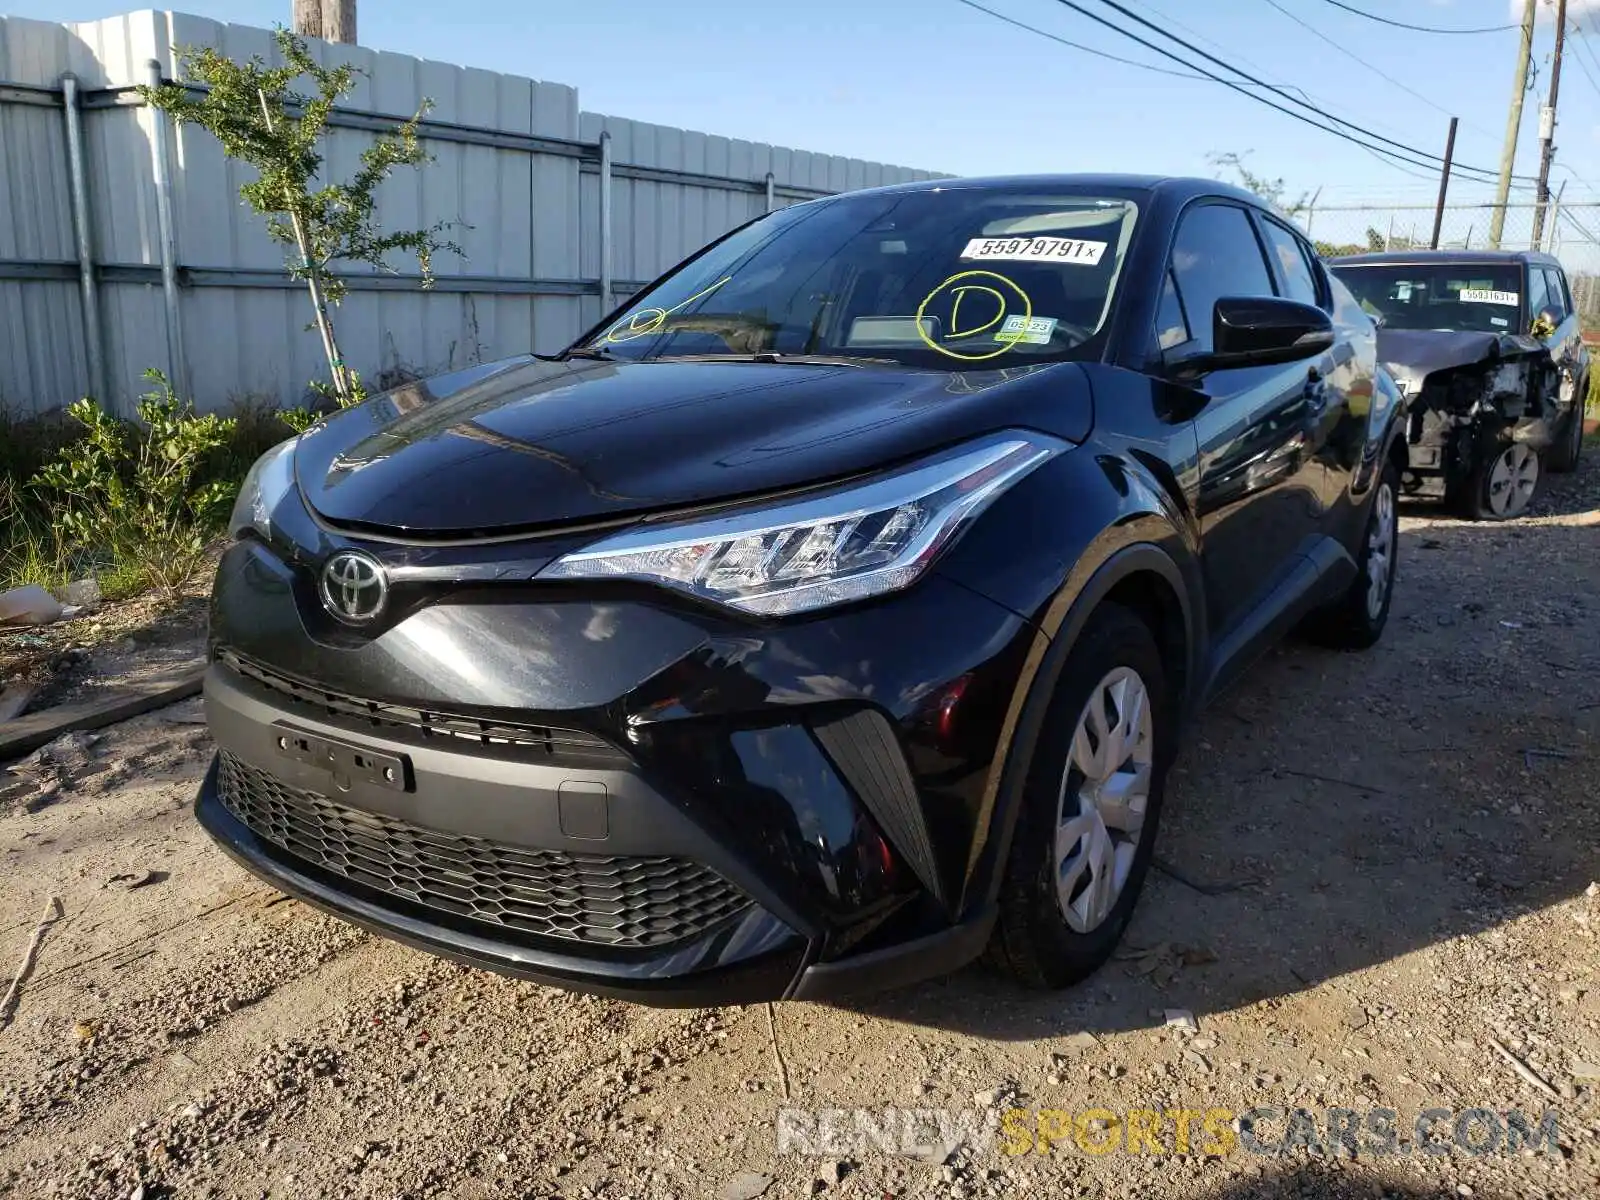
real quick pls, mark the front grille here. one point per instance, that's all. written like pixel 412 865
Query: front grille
pixel 567 745
pixel 617 901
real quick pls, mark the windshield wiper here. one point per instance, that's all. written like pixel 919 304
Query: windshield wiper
pixel 599 353
pixel 773 356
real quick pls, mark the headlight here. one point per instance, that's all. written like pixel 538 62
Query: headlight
pixel 846 544
pixel 265 484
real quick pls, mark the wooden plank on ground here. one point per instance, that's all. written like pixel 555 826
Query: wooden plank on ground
pixel 28 733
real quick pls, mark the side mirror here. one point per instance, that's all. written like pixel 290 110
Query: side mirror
pixel 1258 331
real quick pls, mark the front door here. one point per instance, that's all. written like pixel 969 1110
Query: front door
pixel 1261 487
pixel 1564 337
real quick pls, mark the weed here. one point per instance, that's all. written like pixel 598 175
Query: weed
pixel 30 547
pixel 135 494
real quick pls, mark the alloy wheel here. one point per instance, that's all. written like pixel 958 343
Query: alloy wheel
pixel 1380 549
pixel 1512 480
pixel 1105 791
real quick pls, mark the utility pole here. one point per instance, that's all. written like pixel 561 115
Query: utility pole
pixel 308 18
pixel 1444 181
pixel 1508 155
pixel 332 20
pixel 339 21
pixel 1547 127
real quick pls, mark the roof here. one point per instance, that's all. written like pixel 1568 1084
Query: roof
pixel 1178 186
pixel 1444 256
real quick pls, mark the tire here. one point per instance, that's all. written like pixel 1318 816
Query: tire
pixel 1034 939
pixel 1357 619
pixel 1563 456
pixel 1504 481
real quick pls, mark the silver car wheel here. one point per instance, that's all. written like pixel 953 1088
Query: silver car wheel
pixel 1512 479
pixel 1105 791
pixel 1380 550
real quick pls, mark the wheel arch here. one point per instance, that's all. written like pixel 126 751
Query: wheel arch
pixel 1143 577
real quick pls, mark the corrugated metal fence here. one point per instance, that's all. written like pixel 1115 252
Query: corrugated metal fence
pixel 527 177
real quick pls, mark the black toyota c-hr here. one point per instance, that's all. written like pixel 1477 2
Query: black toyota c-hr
pixel 828 613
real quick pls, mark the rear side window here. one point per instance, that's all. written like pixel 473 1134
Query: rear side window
pixel 1288 256
pixel 1216 254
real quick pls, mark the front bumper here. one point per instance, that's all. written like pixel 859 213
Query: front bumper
pixel 781 973
pixel 718 814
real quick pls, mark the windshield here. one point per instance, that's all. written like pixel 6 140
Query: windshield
pixel 945 279
pixel 1463 297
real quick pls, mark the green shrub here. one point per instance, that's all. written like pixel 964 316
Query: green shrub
pixel 30 547
pixel 137 496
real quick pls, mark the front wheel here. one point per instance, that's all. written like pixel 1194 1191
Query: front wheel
pixel 1503 483
pixel 1090 806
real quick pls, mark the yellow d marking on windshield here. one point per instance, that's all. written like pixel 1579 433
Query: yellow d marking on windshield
pixel 961 277
pixel 648 320
pixel 955 307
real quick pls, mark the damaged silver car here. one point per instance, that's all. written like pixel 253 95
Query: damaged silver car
pixel 1487 348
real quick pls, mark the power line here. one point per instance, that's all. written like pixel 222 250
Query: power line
pixel 1583 51
pixel 1416 28
pixel 1382 74
pixel 1127 62
pixel 1418 158
pixel 1190 29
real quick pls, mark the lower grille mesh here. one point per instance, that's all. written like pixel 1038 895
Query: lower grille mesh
pixel 625 902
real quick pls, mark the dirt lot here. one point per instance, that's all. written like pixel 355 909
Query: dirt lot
pixel 1401 847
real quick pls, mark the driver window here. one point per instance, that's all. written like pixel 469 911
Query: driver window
pixel 1553 289
pixel 1538 296
pixel 1172 328
pixel 1216 254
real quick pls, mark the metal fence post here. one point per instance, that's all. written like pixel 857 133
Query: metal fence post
pixel 77 180
pixel 772 192
pixel 606 285
pixel 1555 215
pixel 169 237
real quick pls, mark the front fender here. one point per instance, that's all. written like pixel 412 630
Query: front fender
pixel 1080 528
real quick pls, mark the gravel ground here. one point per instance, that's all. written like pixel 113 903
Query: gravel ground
pixel 1394 854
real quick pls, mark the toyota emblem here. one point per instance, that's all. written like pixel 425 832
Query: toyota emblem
pixel 353 587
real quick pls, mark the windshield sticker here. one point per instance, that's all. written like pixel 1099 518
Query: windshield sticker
pixel 1499 322
pixel 996 292
pixel 651 320
pixel 1027 331
pixel 1047 249
pixel 1489 296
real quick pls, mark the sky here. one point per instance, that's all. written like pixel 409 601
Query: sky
pixel 939 85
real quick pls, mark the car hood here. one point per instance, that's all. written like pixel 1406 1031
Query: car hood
pixel 1410 355
pixel 527 443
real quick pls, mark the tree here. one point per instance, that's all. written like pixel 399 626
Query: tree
pixel 252 110
pixel 1273 191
